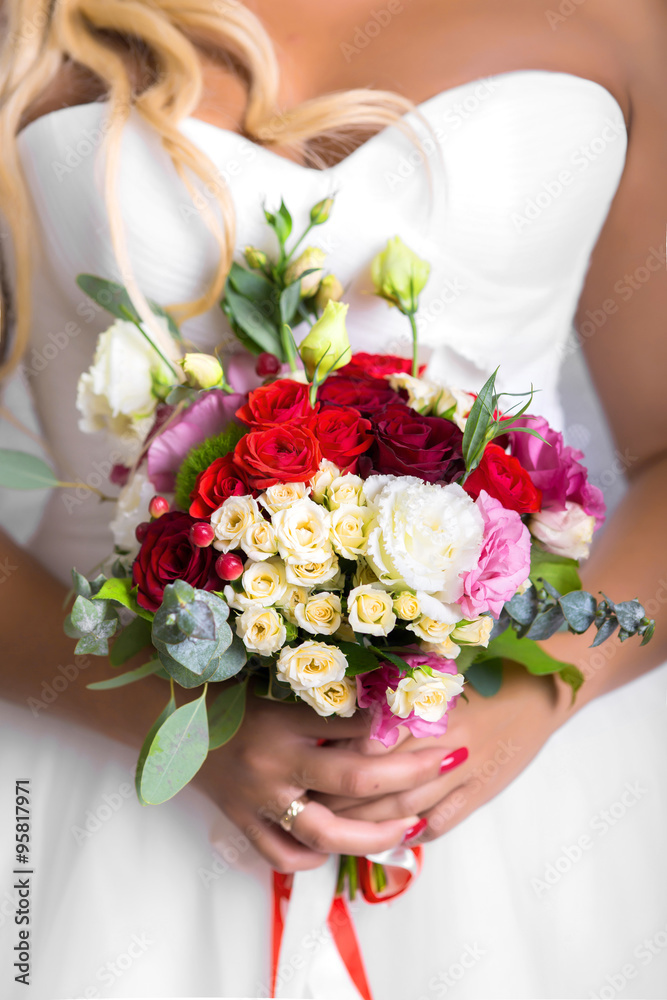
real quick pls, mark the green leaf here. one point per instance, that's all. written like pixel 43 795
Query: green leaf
pixel 486 677
pixel 572 676
pixel 134 637
pixel 561 573
pixel 86 615
pixel 231 661
pixel 282 223
pixel 121 592
pixel 92 645
pixel 253 323
pixel 508 646
pixel 579 609
pixel 177 751
pixel 143 753
pixel 398 661
pixel 116 300
pixel 80 585
pixel 289 301
pixel 546 623
pixel 360 659
pixel 225 714
pixel 477 424
pixel 251 284
pixel 129 677
pixel 20 471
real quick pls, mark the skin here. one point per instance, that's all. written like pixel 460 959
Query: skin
pixel 366 798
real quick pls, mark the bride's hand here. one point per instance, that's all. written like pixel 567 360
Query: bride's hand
pixel 501 734
pixel 275 757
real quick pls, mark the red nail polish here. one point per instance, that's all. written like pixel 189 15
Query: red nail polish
pixel 453 759
pixel 415 830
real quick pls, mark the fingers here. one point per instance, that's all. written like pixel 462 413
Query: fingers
pixel 280 849
pixel 325 833
pixel 355 776
pixel 299 719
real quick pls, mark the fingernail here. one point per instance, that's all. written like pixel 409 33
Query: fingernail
pixel 453 759
pixel 415 830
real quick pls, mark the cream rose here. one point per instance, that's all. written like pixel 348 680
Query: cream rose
pixel 365 575
pixel 422 536
pixel 323 479
pixel 437 636
pixel 347 490
pixel 464 403
pixel 262 630
pixel 425 695
pixel 302 532
pixel 407 606
pixel 293 596
pixel 282 495
pixel 422 394
pixel 232 520
pixel 348 527
pixel 319 614
pixel 312 574
pixel 259 541
pixel 566 532
pixel 474 633
pixel 370 610
pixel 310 665
pixel 263 584
pixel 336 698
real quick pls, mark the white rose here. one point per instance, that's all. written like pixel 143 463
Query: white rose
pixel 312 574
pixel 336 698
pixel 259 541
pixel 474 633
pixel 282 495
pixel 131 510
pixel 302 532
pixel 262 630
pixel 423 536
pixel 427 696
pixel 436 636
pixel 407 606
pixel 370 610
pixel 422 394
pixel 293 596
pixel 263 585
pixel 345 491
pixel 310 665
pixel 232 520
pixel 319 614
pixel 323 479
pixel 348 530
pixel 566 532
pixel 363 574
pixel 464 403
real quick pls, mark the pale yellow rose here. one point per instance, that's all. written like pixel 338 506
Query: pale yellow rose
pixel 262 630
pixel 348 526
pixel 282 495
pixel 370 611
pixel 474 633
pixel 437 635
pixel 319 614
pixel 345 491
pixel 336 698
pixel 312 574
pixel 364 574
pixel 232 520
pixel 407 606
pixel 323 479
pixel 259 541
pixel 263 584
pixel 425 695
pixel 293 596
pixel 310 665
pixel 422 394
pixel 302 532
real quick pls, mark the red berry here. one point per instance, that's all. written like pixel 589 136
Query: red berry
pixel 158 506
pixel 229 566
pixel 202 534
pixel 140 531
pixel 267 364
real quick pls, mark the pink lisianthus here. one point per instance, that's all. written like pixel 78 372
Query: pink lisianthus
pixel 504 562
pixel 556 469
pixel 372 689
pixel 206 417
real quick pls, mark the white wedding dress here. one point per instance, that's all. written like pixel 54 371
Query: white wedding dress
pixel 556 888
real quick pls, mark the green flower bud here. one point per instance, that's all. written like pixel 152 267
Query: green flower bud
pixel 202 371
pixel 255 258
pixel 399 275
pixel 327 344
pixel 320 213
pixel 330 290
pixel 312 259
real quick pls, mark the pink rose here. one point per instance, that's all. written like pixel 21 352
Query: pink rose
pixel 556 469
pixel 504 562
pixel 372 694
pixel 206 417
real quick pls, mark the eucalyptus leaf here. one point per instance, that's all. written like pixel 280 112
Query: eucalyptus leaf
pixel 231 661
pixel 134 637
pixel 87 615
pixel 605 631
pixel 522 607
pixel 80 584
pixel 178 750
pixel 127 678
pixel 225 714
pixel 143 753
pixel 486 677
pixel 546 623
pixel 92 645
pixel 630 614
pixel 20 471
pixel 579 608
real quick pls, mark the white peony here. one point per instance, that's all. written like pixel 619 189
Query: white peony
pixel 310 665
pixel 427 696
pixel 131 510
pixel 423 536
pixel 336 698
pixel 566 532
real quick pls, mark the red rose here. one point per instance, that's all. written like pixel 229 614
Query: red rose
pixel 281 454
pixel 281 402
pixel 377 365
pixel 408 444
pixel 367 395
pixel 167 554
pixel 343 435
pixel 505 479
pixel 222 479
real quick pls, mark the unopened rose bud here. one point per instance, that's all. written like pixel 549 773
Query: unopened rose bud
pixel 202 534
pixel 327 346
pixel 141 530
pixel 158 506
pixel 229 566
pixel 320 213
pixel 255 258
pixel 267 364
pixel 202 371
pixel 330 290
pixel 312 259
pixel 399 275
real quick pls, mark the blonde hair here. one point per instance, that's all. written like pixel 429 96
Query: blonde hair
pixel 41 35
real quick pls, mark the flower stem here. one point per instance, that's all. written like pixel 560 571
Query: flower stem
pixel 415 344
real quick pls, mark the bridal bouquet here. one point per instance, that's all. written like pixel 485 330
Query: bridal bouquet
pixel 349 533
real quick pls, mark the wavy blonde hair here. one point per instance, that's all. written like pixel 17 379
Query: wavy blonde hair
pixel 41 35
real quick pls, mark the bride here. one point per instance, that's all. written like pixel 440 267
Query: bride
pixel 522 149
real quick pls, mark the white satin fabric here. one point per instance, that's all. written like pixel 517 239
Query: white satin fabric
pixel 550 890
